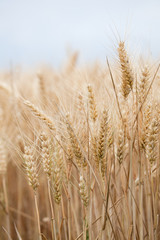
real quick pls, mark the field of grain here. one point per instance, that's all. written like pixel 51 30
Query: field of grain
pixel 80 151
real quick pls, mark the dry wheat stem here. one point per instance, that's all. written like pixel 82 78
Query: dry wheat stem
pixel 38 218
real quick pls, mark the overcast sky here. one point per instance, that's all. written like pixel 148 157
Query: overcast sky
pixel 35 31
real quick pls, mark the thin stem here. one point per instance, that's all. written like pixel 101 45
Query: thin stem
pixel 90 214
pixel 64 220
pixel 37 215
pixel 69 211
pixel 80 235
pixel 6 204
pixel 20 188
pixel 84 224
pixel 53 223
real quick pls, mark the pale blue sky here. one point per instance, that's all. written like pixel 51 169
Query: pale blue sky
pixel 35 31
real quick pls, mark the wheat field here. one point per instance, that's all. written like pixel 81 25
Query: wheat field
pixel 80 151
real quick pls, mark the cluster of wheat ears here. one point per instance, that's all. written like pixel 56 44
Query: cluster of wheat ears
pixel 80 151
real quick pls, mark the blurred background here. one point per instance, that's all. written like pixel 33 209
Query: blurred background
pixel 45 31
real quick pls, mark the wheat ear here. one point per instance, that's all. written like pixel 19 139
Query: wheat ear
pixel 102 143
pixel 31 167
pixel 75 145
pixel 47 159
pixel 152 141
pixel 143 85
pixel 31 171
pixel 83 191
pixel 120 146
pixel 127 75
pixel 39 114
pixel 92 104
